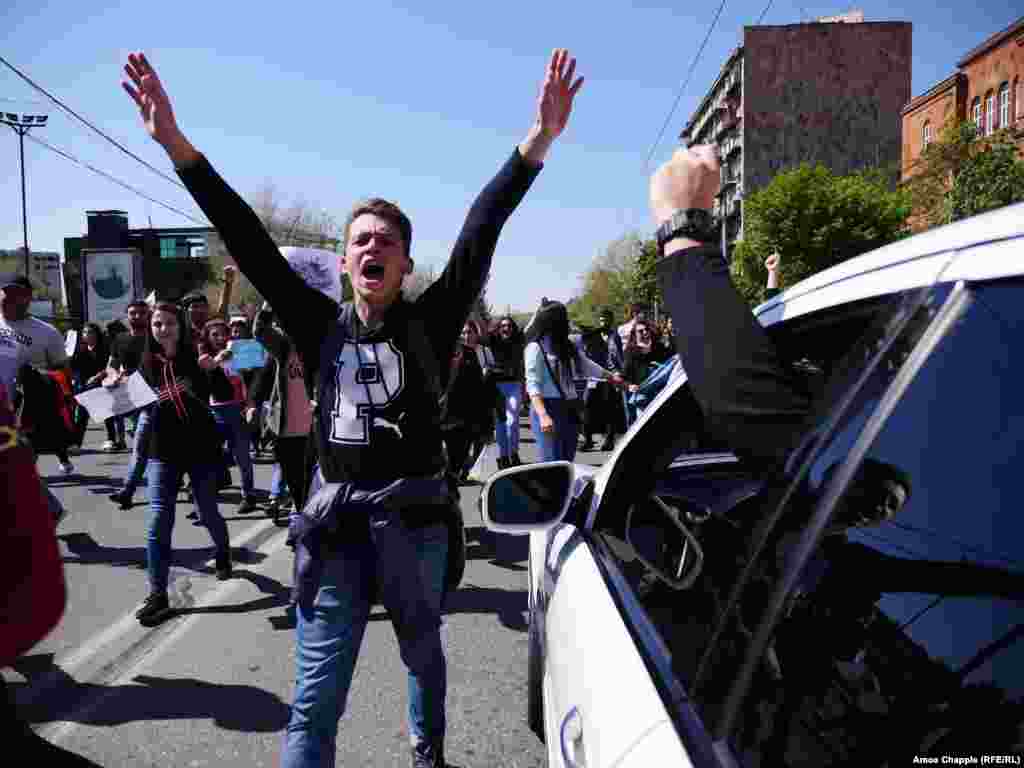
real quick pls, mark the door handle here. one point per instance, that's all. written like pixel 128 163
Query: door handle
pixel 572 740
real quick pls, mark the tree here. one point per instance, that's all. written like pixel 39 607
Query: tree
pixel 934 171
pixel 299 223
pixel 610 282
pixel 991 177
pixel 815 219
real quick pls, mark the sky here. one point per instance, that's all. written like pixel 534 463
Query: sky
pixel 416 102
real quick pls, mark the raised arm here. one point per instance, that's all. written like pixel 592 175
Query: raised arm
pixel 451 297
pixel 307 312
pixel 749 400
pixel 225 293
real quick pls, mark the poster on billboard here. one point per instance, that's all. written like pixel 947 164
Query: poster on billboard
pixel 320 268
pixel 108 283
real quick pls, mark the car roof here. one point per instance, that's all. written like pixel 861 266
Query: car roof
pixel 987 246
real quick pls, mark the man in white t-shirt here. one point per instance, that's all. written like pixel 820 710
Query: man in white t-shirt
pixel 25 339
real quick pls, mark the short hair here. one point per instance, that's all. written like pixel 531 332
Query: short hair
pixel 386 210
pixel 138 303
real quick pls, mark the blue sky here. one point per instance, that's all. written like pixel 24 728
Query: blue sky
pixel 417 102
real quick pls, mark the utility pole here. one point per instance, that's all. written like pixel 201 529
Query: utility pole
pixel 21 125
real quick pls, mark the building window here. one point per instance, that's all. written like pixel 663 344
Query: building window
pixel 990 114
pixel 1020 99
pixel 976 114
pixel 927 138
pixel 1004 105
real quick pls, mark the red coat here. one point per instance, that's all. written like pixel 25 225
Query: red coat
pixel 30 565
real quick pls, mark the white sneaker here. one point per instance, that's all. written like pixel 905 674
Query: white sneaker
pixel 108 445
pixel 67 467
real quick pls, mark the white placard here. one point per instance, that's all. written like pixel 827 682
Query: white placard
pixel 318 267
pixel 129 395
pixel 110 284
pixel 71 342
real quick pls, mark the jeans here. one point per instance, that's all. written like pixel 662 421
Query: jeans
pixel 559 445
pixel 409 566
pixel 507 431
pixel 229 422
pixel 278 486
pixel 115 429
pixel 137 467
pixel 164 482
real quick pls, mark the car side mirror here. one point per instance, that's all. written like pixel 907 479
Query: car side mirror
pixel 529 498
pixel 663 543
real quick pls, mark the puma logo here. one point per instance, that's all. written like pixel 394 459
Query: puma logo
pixel 379 421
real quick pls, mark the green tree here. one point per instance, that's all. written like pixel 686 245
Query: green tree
pixel 610 282
pixel 815 219
pixel 991 177
pixel 934 171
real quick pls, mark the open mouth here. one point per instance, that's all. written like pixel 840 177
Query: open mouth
pixel 372 270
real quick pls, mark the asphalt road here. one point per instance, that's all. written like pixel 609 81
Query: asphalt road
pixel 212 686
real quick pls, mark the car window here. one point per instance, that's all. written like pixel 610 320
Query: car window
pixel 903 634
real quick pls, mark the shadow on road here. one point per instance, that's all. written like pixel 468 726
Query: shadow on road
pixel 75 481
pixel 244 708
pixel 87 551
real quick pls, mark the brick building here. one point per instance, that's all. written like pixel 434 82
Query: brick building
pixel 987 89
pixel 828 92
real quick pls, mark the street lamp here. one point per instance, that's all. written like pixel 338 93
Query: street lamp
pixel 21 125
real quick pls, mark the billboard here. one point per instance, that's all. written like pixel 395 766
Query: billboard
pixel 111 278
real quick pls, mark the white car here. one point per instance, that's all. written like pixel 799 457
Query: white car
pixel 865 608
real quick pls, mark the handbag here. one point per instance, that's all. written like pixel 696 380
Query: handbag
pixel 486 464
pixel 575 404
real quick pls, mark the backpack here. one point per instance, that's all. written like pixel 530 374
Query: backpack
pixel 421 349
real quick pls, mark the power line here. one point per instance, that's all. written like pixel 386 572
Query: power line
pixel 105 175
pixel 686 82
pixel 765 11
pixel 74 114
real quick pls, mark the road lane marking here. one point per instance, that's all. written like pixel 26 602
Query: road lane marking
pixel 66 665
pixel 57 731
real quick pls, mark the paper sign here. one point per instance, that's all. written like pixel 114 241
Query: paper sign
pixel 129 395
pixel 71 342
pixel 318 267
pixel 246 354
pixel 151 299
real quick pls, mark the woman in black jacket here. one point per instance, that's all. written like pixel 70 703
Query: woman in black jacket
pixel 644 353
pixel 467 407
pixel 183 439
pixel 89 366
pixel 507 346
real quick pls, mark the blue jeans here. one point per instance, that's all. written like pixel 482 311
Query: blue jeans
pixel 559 445
pixel 507 431
pixel 409 566
pixel 140 453
pixel 278 486
pixel 229 422
pixel 164 482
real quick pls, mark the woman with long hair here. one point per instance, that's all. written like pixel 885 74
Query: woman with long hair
pixel 552 364
pixel 467 409
pixel 213 354
pixel 506 346
pixel 183 439
pixel 89 367
pixel 644 353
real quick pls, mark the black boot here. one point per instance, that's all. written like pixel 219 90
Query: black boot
pixel 223 563
pixel 503 462
pixel 122 498
pixel 514 460
pixel 428 756
pixel 156 610
pixel 588 443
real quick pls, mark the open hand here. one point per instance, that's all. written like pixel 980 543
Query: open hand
pixel 152 100
pixel 557 93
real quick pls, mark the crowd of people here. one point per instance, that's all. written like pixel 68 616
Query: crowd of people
pixel 380 406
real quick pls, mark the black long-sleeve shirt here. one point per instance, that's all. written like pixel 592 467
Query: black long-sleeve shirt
pixel 749 400
pixel 382 422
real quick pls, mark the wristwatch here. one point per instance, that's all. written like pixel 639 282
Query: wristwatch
pixel 693 223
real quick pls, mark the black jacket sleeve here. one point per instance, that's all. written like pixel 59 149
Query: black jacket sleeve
pixel 750 401
pixel 306 314
pixel 449 299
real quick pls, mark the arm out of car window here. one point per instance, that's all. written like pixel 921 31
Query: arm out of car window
pixel 750 402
